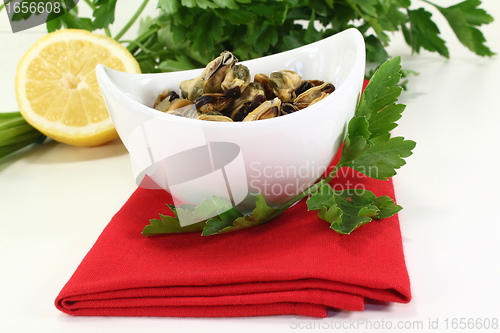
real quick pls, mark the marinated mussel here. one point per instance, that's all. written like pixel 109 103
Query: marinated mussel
pixel 252 96
pixel 224 92
pixel 163 101
pixel 284 84
pixel 267 110
pixel 313 95
pixel 236 81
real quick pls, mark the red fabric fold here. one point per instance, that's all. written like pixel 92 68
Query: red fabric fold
pixel 292 265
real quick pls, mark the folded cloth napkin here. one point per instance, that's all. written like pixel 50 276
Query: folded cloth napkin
pixel 293 265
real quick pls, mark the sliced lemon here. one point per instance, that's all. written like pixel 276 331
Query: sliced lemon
pixel 57 90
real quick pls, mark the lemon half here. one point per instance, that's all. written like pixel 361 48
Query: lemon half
pixel 57 90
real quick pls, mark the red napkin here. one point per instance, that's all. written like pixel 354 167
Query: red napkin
pixel 292 265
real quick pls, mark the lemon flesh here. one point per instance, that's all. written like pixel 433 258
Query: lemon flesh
pixel 57 90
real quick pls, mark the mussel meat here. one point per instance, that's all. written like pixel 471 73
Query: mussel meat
pixel 236 81
pixel 263 80
pixel 163 100
pixel 284 84
pixel 212 102
pixel 223 92
pixel 191 89
pixel 214 74
pixel 214 116
pixel 313 95
pixel 287 108
pixel 306 85
pixel 251 97
pixel 182 108
pixel 267 110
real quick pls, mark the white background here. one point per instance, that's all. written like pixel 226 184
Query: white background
pixel 56 199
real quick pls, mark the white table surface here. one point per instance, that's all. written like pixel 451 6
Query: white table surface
pixel 56 199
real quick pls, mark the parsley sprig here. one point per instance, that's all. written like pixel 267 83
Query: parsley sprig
pixel 368 146
pixel 187 34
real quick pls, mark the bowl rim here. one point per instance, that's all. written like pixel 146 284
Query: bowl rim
pixel 359 65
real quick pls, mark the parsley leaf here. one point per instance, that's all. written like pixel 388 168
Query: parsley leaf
pixel 375 49
pixel 349 209
pixel 104 14
pixel 462 19
pixel 423 33
pixel 380 161
pixel 168 225
pixel 168 6
pixel 384 121
pixel 368 147
pixel 232 220
pixel 252 29
pixel 224 218
pixel 382 89
pixel 386 207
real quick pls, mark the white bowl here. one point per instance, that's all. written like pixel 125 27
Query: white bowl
pixel 277 157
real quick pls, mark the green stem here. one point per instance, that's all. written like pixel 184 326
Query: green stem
pixel 31 135
pixel 5 115
pixel 11 122
pixel 132 20
pixel 132 47
pixel 14 131
pixel 91 5
pixel 138 45
pixel 6 150
pixel 3 5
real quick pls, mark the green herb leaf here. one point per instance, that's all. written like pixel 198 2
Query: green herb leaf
pixel 384 121
pixel 387 207
pixel 180 63
pixel 262 37
pixel 473 14
pixel 381 160
pixel 169 225
pixel 321 197
pixel 312 35
pixel 382 89
pixel 375 50
pixel 367 6
pixel 462 19
pixel 368 147
pixel 225 218
pixel 104 14
pixel 230 4
pixel 260 215
pixel 203 4
pixel 210 207
pixel 356 141
pixel 236 17
pixel 168 6
pixel 252 29
pixel 207 31
pixel 224 222
pixel 347 210
pixel 423 33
